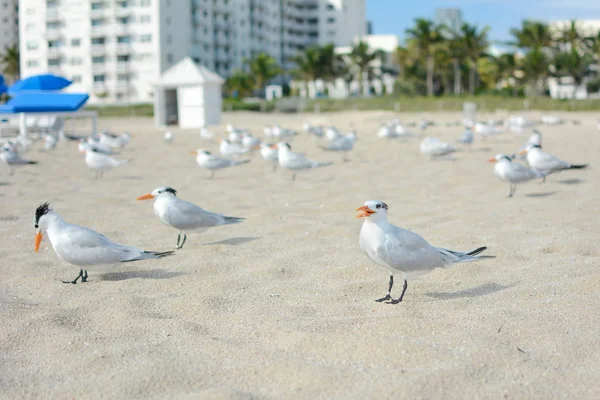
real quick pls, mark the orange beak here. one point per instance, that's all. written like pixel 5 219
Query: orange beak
pixel 492 160
pixel 366 212
pixel 273 146
pixel 38 240
pixel 145 197
pixel 195 152
pixel 522 152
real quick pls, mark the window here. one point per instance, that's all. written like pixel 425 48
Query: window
pixel 99 78
pixel 75 42
pixel 123 77
pixel 98 22
pixel 145 19
pixel 53 44
pixel 145 3
pixel 76 78
pixel 32 63
pixel 97 6
pixel 32 45
pixel 76 61
pixel 53 25
pixel 98 60
pixel 98 40
pixel 124 20
pixel 123 58
pixel 123 39
pixel 51 4
pixel 146 38
pixel 330 20
pixel 53 62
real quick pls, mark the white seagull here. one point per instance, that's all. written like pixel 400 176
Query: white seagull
pixel 402 251
pixel 435 147
pixel 115 141
pixel 10 156
pixel 93 144
pixel 206 160
pixel 270 154
pixel 182 215
pixel 343 144
pixel 100 162
pixel 206 134
pixel 546 163
pixel 83 247
pixel 294 161
pixel 512 172
pixel 168 137
pixel 50 142
pixel 467 137
pixel 228 148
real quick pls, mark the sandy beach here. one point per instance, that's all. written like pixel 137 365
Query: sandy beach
pixel 281 305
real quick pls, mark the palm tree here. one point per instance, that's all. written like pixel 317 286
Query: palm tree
pixel 427 36
pixel 332 65
pixel 403 59
pixel 535 66
pixel 456 51
pixel 263 68
pixel 532 34
pixel 11 62
pixel 474 43
pixel 240 83
pixel 574 64
pixel 507 66
pixel 308 65
pixel 571 36
pixel 362 58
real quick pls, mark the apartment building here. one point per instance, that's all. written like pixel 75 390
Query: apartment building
pixel 114 49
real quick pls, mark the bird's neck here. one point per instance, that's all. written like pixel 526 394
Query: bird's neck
pixel 55 223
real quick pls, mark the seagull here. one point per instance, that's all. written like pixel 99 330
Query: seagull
pixel 228 148
pixel 182 215
pixel 293 161
pixel 277 132
pixel 95 145
pixel 83 247
pixel 435 147
pixel 316 131
pixel 10 156
pixel 403 251
pixel 213 163
pixel 100 162
pixel 50 142
pixel 270 154
pixel 486 130
pixel 168 137
pixel 332 133
pixel 546 163
pixel 115 141
pixel 467 137
pixel 250 142
pixel 552 120
pixel 513 172
pixel 343 144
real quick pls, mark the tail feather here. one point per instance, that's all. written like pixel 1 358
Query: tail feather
pixel 146 255
pixel 32 162
pixel 240 162
pixel 476 251
pixel 578 166
pixel 233 220
pixel 322 164
pixel 462 257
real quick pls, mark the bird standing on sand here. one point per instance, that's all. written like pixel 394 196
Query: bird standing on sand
pixel 546 163
pixel 435 147
pixel 512 172
pixel 343 144
pixel 100 162
pixel 83 247
pixel 402 251
pixel 206 160
pixel 270 154
pixel 295 162
pixel 10 156
pixel 182 215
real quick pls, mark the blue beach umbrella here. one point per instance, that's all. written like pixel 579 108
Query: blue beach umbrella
pixel 40 82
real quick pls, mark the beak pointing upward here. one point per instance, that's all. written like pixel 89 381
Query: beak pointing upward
pixel 366 212
pixel 38 240
pixel 492 160
pixel 145 197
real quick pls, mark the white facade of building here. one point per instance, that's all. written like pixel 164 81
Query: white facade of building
pixel 9 25
pixel 113 49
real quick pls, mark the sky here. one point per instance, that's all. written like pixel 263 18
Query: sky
pixel 394 16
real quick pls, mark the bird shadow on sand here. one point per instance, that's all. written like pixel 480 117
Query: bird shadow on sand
pixel 482 290
pixel 542 194
pixel 4 184
pixel 143 274
pixel 571 181
pixel 484 149
pixel 132 178
pixel 233 241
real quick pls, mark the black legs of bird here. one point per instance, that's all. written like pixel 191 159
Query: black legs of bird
pixel 389 293
pixel 513 189
pixel 179 246
pixel 98 174
pixel 82 274
pixel 294 176
pixel 212 174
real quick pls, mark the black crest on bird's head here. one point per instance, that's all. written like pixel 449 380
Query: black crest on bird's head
pixel 536 146
pixel 385 206
pixel 170 190
pixel 40 211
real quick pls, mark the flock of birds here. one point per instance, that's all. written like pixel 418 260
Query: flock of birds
pixel 396 249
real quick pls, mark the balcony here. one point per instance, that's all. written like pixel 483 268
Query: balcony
pixel 123 11
pixel 52 15
pixel 98 68
pixel 123 48
pixel 54 52
pixel 99 13
pixel 53 34
pixel 123 66
pixel 99 30
pixel 98 49
pixel 99 87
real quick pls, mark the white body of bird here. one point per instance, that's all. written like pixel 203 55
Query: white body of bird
pixel 168 137
pixel 401 251
pixel 512 172
pixel 50 142
pixel 467 137
pixel 100 162
pixel 206 160
pixel 232 149
pixel 270 154
pixel 294 161
pixel 434 147
pixel 343 144
pixel 546 163
pixel 10 156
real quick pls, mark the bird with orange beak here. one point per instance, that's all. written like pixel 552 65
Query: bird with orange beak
pixel 83 247
pixel 512 172
pixel 183 215
pixel 207 160
pixel 401 251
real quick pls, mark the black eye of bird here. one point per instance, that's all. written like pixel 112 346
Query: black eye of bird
pixel 378 206
pixel 36 225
